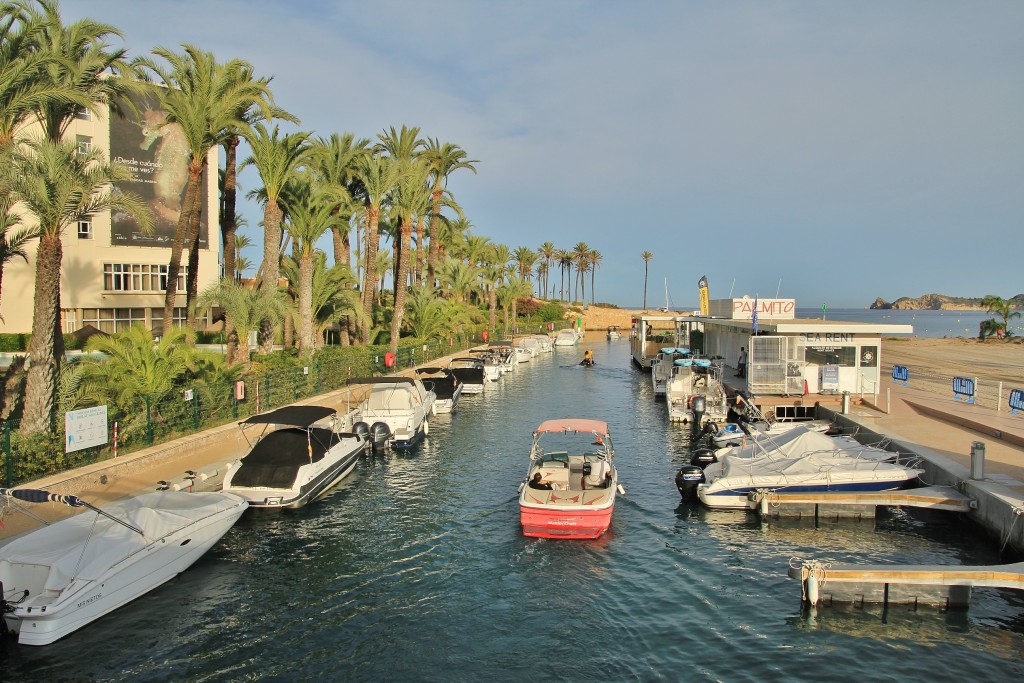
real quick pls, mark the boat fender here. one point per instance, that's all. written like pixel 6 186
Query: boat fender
pixel 389 360
pixel 620 489
pixel 687 479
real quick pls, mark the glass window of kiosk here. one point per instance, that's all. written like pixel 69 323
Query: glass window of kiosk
pixel 845 356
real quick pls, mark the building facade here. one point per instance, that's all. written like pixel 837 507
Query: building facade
pixel 112 275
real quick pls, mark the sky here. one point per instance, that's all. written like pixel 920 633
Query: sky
pixel 831 152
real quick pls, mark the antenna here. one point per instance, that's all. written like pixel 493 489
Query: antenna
pixel 731 287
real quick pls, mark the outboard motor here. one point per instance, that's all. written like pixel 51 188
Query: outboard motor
pixel 362 430
pixel 380 433
pixel 702 457
pixel 687 479
pixel 699 407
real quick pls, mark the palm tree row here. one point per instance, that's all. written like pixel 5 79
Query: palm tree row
pixel 392 190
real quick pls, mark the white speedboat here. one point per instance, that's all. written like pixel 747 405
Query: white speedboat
pixel 695 393
pixel 566 338
pixel 446 387
pixel 733 433
pixel 308 452
pixel 470 372
pixel 802 464
pixel 613 332
pixel 395 412
pixel 663 366
pixel 569 493
pixel 59 578
pixel 493 365
pixel 546 346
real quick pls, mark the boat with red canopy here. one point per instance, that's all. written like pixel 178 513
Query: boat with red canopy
pixel 569 490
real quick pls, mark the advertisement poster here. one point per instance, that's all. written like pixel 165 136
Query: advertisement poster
pixel 158 157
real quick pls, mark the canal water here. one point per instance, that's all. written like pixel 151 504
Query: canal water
pixel 415 569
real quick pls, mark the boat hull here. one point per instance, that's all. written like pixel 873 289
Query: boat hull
pixel 263 497
pixel 562 523
pixel 133 577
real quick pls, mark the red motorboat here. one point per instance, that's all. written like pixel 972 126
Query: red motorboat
pixel 569 492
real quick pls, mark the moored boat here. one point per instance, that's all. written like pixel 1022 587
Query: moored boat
pixel 446 387
pixel 566 338
pixel 569 493
pixel 308 452
pixel 58 578
pixel 470 372
pixel 396 412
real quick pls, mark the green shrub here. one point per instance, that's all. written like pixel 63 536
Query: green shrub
pixel 13 342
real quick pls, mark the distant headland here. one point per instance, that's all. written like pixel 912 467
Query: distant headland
pixel 940 302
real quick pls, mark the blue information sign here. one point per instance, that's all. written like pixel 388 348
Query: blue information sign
pixel 963 387
pixel 900 373
pixel 1016 400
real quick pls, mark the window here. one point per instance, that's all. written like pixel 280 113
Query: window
pixel 83 114
pixel 84 143
pixel 139 277
pixel 112 320
pixel 85 229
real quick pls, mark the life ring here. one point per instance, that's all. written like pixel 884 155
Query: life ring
pixel 389 360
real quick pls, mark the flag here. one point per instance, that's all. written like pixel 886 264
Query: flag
pixel 702 286
pixel 754 315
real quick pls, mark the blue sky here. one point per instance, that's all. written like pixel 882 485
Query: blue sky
pixel 846 150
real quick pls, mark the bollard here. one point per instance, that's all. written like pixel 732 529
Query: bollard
pixel 846 402
pixel 977 460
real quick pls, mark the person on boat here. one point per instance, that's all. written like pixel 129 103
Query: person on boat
pixel 588 357
pixel 536 483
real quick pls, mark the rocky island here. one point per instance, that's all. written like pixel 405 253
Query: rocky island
pixel 937 302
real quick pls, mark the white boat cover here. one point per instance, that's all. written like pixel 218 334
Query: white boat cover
pixel 87 545
pixel 836 465
pixel 800 441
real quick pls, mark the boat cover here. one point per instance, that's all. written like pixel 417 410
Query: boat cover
pixel 92 543
pixel 296 416
pixel 797 442
pixel 815 462
pixel 276 458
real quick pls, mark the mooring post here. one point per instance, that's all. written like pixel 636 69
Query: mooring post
pixel 977 460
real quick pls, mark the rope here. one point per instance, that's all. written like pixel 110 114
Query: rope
pixel 809 569
pixel 1017 512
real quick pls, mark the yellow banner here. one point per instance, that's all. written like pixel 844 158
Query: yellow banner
pixel 705 306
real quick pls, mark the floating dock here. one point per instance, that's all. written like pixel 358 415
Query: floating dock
pixel 863 505
pixel 913 585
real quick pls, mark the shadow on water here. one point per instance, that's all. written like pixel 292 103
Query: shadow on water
pixel 415 569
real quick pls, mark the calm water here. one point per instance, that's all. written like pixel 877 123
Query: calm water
pixel 415 570
pixel 926 323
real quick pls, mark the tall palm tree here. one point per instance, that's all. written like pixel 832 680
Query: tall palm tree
pixel 461 279
pixel 525 258
pixel 13 237
pixel 310 216
pixel 278 159
pixel 411 198
pixel 59 185
pixel 646 256
pixel 580 258
pixel 208 100
pixel 377 178
pixel 564 257
pixel 335 160
pixel 595 259
pixel 546 251
pixel 442 160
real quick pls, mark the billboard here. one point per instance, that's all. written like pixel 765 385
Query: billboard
pixel 158 157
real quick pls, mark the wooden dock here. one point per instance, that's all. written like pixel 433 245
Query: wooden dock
pixel 853 504
pixel 913 585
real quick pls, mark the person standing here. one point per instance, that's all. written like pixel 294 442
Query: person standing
pixel 741 364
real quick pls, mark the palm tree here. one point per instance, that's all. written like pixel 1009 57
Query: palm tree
pixel 461 278
pixel 335 160
pixel 579 257
pixel 59 185
pixel 595 259
pixel 646 256
pixel 240 243
pixel 311 215
pixel 208 99
pixel 546 251
pixel 411 198
pixel 245 310
pixel 1002 308
pixel 333 296
pixel 564 258
pixel 525 258
pixel 133 369
pixel 428 316
pixel 278 159
pixel 442 160
pixel 12 237
pixel 377 178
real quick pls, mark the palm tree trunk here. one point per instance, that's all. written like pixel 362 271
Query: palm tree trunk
pixel 41 383
pixel 401 273
pixel 192 274
pixel 228 228
pixel 306 341
pixel 370 269
pixel 272 216
pixel 421 253
pixel 434 250
pixel 193 193
pixel 492 306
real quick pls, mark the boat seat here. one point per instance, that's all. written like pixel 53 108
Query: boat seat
pixel 596 478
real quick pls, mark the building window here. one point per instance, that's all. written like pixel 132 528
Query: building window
pixel 85 230
pixel 113 320
pixel 84 143
pixel 83 114
pixel 139 277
